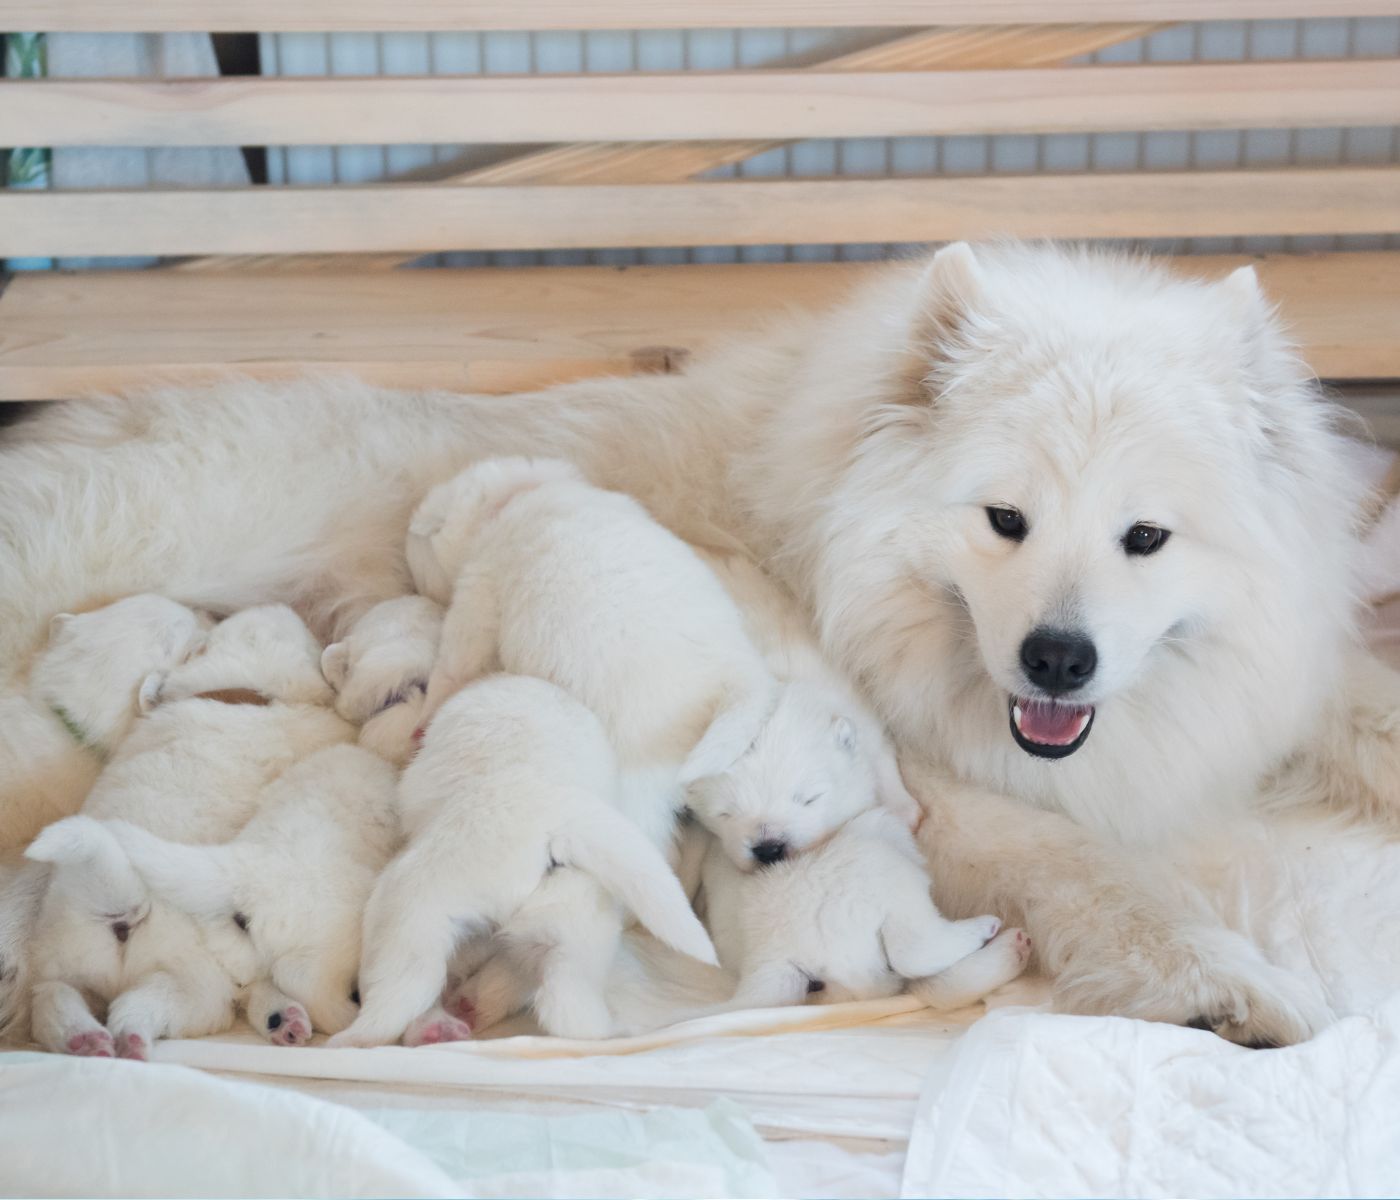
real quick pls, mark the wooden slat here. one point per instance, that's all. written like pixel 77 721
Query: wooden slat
pixel 63 335
pixel 985 46
pixel 329 220
pixel 696 105
pixel 272 16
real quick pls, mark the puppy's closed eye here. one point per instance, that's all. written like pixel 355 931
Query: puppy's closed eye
pixel 807 800
pixel 241 920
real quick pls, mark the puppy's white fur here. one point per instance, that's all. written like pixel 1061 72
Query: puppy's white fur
pixel 380 673
pixel 191 770
pixel 281 905
pixel 79 704
pixel 852 455
pixel 851 919
pixel 563 581
pixel 512 796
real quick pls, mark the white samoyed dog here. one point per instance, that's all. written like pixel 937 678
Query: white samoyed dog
pixel 973 472
pixel 380 673
pixel 279 907
pixel 510 808
pixel 217 729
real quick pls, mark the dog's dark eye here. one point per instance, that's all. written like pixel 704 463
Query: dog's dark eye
pixel 1145 539
pixel 241 920
pixel 1008 522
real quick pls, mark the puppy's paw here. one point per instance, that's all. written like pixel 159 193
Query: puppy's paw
pixel 132 1046
pixel 95 1043
pixel 289 1026
pixel 436 1027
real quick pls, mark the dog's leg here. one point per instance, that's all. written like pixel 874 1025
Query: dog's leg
pixel 969 979
pixel 62 1022
pixel 276 1016
pixel 490 994
pixel 164 1005
pixel 470 636
pixel 21 889
pixel 569 1001
pixel 1112 942
pixel 919 940
pixel 772 984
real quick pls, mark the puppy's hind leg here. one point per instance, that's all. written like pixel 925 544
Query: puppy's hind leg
pixel 469 643
pixel 276 1016
pixel 969 979
pixel 920 941
pixel 62 1022
pixel 163 1005
pixel 569 1001
pixel 493 992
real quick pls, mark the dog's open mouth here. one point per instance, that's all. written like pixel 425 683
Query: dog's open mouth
pixel 1048 728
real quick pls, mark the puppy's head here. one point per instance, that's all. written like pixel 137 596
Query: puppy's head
pixel 380 672
pixel 449 517
pixel 95 662
pixel 267 649
pixel 805 775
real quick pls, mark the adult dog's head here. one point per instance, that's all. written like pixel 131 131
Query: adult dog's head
pixel 1080 521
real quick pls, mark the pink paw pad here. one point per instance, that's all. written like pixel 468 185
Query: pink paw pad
pixel 289 1026
pixel 1023 944
pixel 95 1044
pixel 443 1029
pixel 132 1046
pixel 463 1009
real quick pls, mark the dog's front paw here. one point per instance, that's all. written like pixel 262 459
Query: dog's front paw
pixel 1203 977
pixel 93 1043
pixel 289 1026
pixel 132 1046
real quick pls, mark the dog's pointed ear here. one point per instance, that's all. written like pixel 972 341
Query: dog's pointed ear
pixel 335 663
pixel 1242 285
pixel 951 289
pixel 149 695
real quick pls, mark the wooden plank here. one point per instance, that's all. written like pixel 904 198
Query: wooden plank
pixel 637 107
pixel 65 334
pixel 275 16
pixel 424 218
pixel 984 46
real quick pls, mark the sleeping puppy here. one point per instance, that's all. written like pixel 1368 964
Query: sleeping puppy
pixel 806 773
pixel 510 808
pixel 553 578
pixel 216 730
pixel 281 905
pixel 851 919
pixel 79 703
pixel 380 673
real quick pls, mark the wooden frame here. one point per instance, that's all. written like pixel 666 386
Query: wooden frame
pixel 623 166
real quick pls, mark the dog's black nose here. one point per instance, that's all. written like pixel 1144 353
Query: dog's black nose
pixel 1058 661
pixel 770 851
pixel 121 930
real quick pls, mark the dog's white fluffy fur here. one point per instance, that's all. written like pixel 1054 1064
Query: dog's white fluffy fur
pixel 190 770
pixel 554 578
pixel 510 808
pixel 852 454
pixel 851 919
pixel 380 673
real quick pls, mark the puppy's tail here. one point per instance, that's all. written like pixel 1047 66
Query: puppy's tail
pixel 108 880
pixel 603 842
pixel 198 880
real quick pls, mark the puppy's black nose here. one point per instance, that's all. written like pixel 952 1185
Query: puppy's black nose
pixel 770 851
pixel 1058 660
pixel 121 930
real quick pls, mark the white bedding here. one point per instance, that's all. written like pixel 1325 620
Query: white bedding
pixel 854 1100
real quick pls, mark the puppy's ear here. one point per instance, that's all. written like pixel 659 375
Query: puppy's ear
pixel 731 733
pixel 844 731
pixel 950 291
pixel 149 695
pixel 57 623
pixel 335 663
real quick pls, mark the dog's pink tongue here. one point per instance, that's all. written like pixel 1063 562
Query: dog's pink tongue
pixel 1050 723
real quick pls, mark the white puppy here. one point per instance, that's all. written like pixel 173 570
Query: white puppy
pixel 217 729
pixel 380 672
pixel 511 802
pixel 554 578
pixel 79 703
pixel 851 919
pixel 281 905
pixel 806 773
